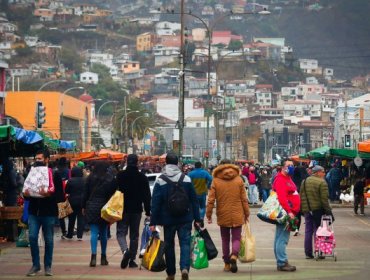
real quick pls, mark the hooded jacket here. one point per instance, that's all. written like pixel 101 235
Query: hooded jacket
pixel 75 188
pixel 287 193
pixel 160 212
pixel 228 190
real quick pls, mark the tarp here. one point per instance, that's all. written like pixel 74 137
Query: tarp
pixel 27 136
pixel 364 146
pixel 319 152
pixel 6 131
pixel 347 153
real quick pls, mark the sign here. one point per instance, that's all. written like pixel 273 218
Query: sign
pixel 358 161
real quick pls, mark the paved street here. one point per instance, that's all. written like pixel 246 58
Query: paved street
pixel 352 233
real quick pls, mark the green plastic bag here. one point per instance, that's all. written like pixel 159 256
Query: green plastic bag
pixel 23 240
pixel 199 258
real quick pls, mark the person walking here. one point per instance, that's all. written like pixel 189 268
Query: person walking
pixel 253 190
pixel 289 199
pixel 180 222
pixel 314 203
pixel 135 187
pixel 333 178
pixel 358 191
pixel 64 172
pixel 43 213
pixel 265 183
pixel 201 180
pixel 232 210
pixel 99 188
pixel 75 189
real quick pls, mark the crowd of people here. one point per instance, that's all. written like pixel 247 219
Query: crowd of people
pixel 228 187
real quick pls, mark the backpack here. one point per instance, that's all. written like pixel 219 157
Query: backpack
pixel 178 200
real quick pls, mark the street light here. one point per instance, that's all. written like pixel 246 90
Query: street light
pixel 51 82
pixel 62 96
pixel 146 115
pixel 123 118
pixel 101 106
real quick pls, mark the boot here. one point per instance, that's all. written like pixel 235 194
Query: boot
pixel 93 260
pixel 233 265
pixel 103 260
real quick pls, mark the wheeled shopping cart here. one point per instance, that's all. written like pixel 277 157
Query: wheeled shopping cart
pixel 324 240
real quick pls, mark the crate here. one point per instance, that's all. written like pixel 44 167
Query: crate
pixel 11 213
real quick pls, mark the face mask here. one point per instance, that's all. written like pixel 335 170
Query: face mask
pixel 39 163
pixel 290 170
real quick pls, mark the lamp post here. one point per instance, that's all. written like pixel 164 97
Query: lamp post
pixel 126 132
pixel 209 29
pixel 133 123
pixel 62 96
pixel 101 106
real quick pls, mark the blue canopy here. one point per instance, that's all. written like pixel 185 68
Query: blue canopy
pixel 69 145
pixel 27 136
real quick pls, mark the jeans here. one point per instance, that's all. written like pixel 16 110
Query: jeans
pixel 280 243
pixel 183 233
pixel 235 241
pixel 47 225
pixel 100 229
pixel 265 194
pixel 253 194
pixel 334 191
pixel 202 204
pixel 309 233
pixel 77 213
pixel 131 221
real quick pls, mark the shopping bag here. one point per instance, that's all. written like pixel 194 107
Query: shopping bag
pixel 145 236
pixel 199 257
pixel 247 252
pixel 271 211
pixel 64 209
pixel 24 217
pixel 112 211
pixel 153 259
pixel 210 246
pixel 39 180
pixel 23 239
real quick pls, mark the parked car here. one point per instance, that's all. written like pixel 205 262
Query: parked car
pixel 152 177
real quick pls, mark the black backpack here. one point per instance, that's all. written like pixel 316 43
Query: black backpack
pixel 178 200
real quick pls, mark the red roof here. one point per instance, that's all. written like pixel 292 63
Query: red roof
pixel 85 97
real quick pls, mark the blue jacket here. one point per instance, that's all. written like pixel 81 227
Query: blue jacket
pixel 160 212
pixel 201 180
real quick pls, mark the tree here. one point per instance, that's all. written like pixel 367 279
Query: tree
pixel 235 45
pixel 71 59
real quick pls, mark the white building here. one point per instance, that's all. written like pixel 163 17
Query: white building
pixel 89 78
pixel 165 55
pixel 310 66
pixel 306 109
pixel 167 28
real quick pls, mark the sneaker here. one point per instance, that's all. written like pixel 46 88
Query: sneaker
pixel 227 267
pixel 287 267
pixel 79 239
pixel 184 274
pixel 132 264
pixel 66 237
pixel 170 277
pixel 48 271
pixel 296 232
pixel 362 214
pixel 33 271
pixel 308 257
pixel 233 266
pixel 125 260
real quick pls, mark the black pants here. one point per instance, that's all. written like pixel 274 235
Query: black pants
pixel 77 214
pixel 359 199
pixel 129 222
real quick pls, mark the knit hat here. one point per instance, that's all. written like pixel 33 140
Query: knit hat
pixel 132 160
pixel 317 168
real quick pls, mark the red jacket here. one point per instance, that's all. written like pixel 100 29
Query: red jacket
pixel 287 193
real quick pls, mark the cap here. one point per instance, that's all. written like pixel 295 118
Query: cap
pixel 81 164
pixel 317 168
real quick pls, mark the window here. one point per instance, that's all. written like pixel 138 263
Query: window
pixel 198 124
pixel 267 95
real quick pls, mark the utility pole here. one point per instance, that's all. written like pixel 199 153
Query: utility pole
pixel 182 82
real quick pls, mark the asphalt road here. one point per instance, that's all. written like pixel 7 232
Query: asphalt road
pixel 352 234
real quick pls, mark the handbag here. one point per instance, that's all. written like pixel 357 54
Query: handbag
pixel 199 257
pixel 212 251
pixel 64 209
pixel 153 258
pixel 112 211
pixel 247 252
pixel 39 179
pixel 271 211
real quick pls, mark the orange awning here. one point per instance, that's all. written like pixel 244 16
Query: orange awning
pixel 364 146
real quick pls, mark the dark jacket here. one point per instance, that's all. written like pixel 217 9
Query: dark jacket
pixel 359 187
pixel 75 188
pixel 136 191
pixel 315 191
pixel 46 206
pixel 160 212
pixel 98 190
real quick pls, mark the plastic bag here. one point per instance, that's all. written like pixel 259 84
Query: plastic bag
pixel 247 252
pixel 199 257
pixel 23 239
pixel 112 211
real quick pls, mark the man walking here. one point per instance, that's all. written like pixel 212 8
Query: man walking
pixel 314 203
pixel 201 180
pixel 175 207
pixel 42 213
pixel 135 187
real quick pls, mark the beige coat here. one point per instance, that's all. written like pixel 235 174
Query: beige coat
pixel 228 190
